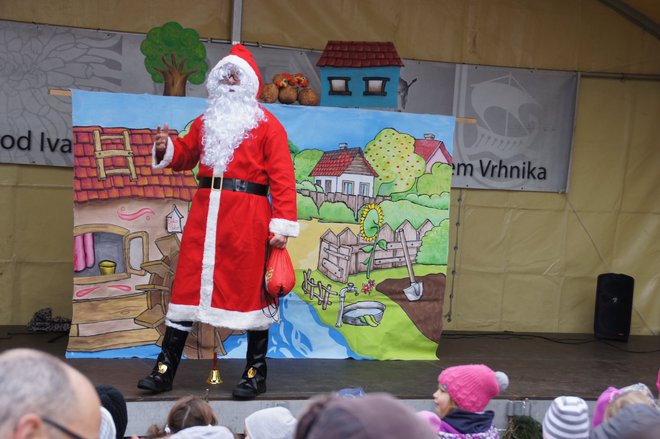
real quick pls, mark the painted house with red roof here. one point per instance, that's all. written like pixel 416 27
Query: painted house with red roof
pixel 125 213
pixel 359 74
pixel 345 170
pixel 433 151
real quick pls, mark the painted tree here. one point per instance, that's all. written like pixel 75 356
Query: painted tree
pixel 392 155
pixel 437 182
pixel 293 149
pixel 304 162
pixel 174 55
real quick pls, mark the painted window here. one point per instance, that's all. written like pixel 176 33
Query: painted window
pixel 347 187
pixel 328 185
pixel 339 85
pixel 375 85
pixel 318 183
pixel 364 189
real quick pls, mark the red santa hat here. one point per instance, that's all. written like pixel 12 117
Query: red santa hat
pixel 243 58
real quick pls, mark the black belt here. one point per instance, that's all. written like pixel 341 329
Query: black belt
pixel 233 184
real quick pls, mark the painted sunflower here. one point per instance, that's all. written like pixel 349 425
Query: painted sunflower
pixel 371 221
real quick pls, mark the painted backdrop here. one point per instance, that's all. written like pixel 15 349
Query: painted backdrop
pixel 373 204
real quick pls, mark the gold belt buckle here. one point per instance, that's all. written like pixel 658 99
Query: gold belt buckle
pixel 222 178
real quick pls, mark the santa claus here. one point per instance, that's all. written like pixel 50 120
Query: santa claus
pixel 243 155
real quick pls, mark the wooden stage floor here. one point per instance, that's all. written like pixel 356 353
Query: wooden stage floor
pixel 539 366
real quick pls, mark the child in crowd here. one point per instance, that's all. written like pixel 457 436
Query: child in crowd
pixel 633 421
pixel 613 399
pixel 270 423
pixel 186 412
pixel 567 418
pixel 374 416
pixel 114 404
pixel 631 397
pixel 463 394
pixel 204 432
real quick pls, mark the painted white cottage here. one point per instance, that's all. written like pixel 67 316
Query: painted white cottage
pixel 345 170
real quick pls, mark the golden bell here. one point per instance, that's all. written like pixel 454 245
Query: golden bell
pixel 214 377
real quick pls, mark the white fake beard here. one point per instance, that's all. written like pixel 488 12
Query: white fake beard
pixel 232 112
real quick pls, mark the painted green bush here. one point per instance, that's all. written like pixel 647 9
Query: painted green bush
pixel 306 207
pixel 435 245
pixel 336 213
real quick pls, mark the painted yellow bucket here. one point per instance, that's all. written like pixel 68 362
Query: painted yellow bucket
pixel 107 267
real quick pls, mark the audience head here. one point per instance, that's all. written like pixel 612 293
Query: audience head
pixel 567 418
pixel 610 401
pixel 113 401
pixel 633 421
pixel 374 416
pixel 468 387
pixel 43 396
pixel 270 423
pixel 630 397
pixel 204 432
pixel 108 429
pixel 186 412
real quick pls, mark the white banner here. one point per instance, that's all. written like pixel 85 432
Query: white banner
pixel 520 138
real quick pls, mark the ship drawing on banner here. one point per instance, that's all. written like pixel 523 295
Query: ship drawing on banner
pixel 502 143
pixel 504 96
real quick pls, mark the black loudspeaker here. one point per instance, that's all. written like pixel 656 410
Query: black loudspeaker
pixel 614 300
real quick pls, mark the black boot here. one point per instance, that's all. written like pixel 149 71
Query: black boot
pixel 254 377
pixel 161 377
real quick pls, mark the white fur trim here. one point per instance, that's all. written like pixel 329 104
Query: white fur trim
pixel 284 227
pixel 240 62
pixel 174 325
pixel 208 258
pixel 167 159
pixel 222 318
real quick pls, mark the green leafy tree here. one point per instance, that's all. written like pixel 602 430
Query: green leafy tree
pixel 174 55
pixel 293 150
pixel 304 163
pixel 437 182
pixel 435 246
pixel 392 155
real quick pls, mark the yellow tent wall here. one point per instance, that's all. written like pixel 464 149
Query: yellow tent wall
pixel 525 261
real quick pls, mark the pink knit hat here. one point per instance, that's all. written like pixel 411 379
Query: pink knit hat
pixel 604 399
pixel 472 386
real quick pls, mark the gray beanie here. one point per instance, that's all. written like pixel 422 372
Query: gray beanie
pixel 271 423
pixel 567 418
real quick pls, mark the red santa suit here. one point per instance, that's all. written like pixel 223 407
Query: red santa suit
pixel 220 273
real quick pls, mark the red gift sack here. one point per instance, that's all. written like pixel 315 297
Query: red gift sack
pixel 280 277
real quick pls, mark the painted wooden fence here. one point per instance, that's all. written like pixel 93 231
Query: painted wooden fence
pixel 354 202
pixel 341 255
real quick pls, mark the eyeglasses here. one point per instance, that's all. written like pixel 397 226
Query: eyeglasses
pixel 61 428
